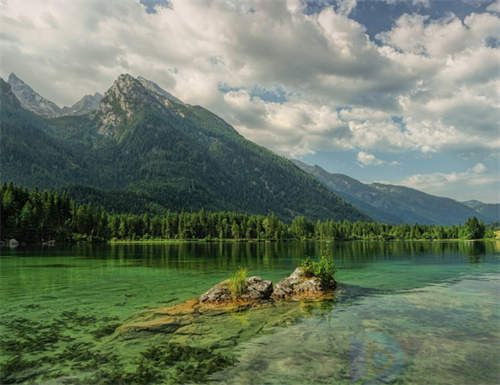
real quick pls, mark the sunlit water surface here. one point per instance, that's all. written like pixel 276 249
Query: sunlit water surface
pixel 405 313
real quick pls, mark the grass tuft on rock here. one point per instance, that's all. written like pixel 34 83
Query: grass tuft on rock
pixel 237 282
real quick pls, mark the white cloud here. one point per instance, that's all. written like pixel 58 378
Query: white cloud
pixel 494 7
pixel 345 7
pixel 474 182
pixel 479 168
pixel 367 159
pixel 455 103
pixel 438 78
pixel 439 38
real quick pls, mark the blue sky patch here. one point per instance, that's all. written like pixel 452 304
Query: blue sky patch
pixel 379 15
pixel 276 94
pixel 152 6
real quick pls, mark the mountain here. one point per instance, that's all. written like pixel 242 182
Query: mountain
pixel 393 204
pixel 144 150
pixel 353 191
pixel 156 89
pixel 490 211
pixel 86 104
pixel 31 100
pixel 28 154
pixel 34 102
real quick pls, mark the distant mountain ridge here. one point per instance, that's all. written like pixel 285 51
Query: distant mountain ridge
pixel 398 204
pixel 87 104
pixel 490 211
pixel 34 102
pixel 142 149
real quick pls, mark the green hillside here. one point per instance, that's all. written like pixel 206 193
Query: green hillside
pixel 144 150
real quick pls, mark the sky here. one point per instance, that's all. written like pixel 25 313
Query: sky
pixel 396 91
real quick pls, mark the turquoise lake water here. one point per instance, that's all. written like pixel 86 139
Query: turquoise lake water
pixel 405 313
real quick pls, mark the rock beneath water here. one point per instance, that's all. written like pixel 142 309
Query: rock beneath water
pixel 300 285
pixel 184 318
pixel 256 289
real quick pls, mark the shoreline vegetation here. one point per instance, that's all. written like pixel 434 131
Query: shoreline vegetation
pixel 48 217
pixel 244 240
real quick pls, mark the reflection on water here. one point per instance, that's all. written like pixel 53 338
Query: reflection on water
pixel 406 313
pixel 265 255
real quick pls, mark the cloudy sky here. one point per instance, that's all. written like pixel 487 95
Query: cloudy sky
pixel 399 91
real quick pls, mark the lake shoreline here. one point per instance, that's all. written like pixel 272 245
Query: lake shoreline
pixel 244 240
pixel 146 242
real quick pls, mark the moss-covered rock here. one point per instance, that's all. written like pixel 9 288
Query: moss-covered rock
pixel 255 289
pixel 301 284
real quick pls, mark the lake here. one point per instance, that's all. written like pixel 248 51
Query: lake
pixel 405 313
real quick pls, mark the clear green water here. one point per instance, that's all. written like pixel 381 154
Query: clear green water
pixel 406 313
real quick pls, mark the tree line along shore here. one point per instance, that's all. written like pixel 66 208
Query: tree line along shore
pixel 35 217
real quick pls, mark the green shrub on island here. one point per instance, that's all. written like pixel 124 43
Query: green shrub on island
pixel 324 269
pixel 237 282
pixel 307 266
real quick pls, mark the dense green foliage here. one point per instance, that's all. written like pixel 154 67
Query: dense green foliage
pixel 37 216
pixel 473 229
pixel 324 268
pixel 140 152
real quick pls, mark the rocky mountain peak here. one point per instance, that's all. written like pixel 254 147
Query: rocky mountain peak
pixel 125 87
pixel 13 78
pixel 31 100
pixel 85 105
pixel 126 96
pixel 157 90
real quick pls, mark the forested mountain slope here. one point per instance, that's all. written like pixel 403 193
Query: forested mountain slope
pixel 152 152
pixel 394 204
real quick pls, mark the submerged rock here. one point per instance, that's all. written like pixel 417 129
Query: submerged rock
pixel 300 285
pixel 184 319
pixel 256 289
